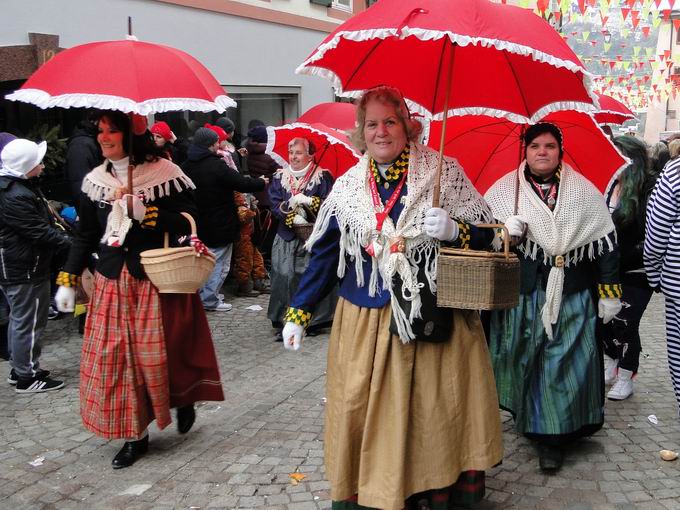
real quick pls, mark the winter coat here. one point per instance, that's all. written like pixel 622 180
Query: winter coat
pixel 82 155
pixel 260 164
pixel 218 222
pixel 28 235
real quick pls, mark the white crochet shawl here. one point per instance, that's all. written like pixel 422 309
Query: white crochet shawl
pixel 151 180
pixel 287 176
pixel 579 225
pixel 350 204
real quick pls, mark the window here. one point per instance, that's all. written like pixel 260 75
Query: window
pixel 670 114
pixel 271 105
pixel 344 5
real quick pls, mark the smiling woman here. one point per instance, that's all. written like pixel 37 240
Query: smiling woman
pixel 398 367
pixel 156 348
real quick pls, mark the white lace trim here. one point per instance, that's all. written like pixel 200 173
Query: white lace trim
pixel 350 204
pixel 308 68
pixel 44 100
pixel 282 161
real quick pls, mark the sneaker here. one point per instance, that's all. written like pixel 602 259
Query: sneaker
pixel 222 307
pixel 52 313
pixel 623 387
pixel 38 385
pixel 610 368
pixel 13 378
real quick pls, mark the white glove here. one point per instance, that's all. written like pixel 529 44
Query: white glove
pixel 138 207
pixel 299 199
pixel 65 299
pixel 299 220
pixel 516 226
pixel 292 336
pixel 607 308
pixel 439 225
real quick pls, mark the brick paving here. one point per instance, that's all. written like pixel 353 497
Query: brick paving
pixel 241 451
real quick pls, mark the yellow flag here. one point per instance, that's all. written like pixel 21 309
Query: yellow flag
pixel 585 35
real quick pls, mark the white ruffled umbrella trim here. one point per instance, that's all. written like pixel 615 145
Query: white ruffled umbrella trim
pixel 271 140
pixel 462 40
pixel 627 116
pixel 43 100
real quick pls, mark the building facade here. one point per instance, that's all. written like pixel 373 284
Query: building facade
pixel 252 47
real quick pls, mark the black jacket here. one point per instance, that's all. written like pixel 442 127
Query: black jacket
pixel 92 223
pixel 82 155
pixel 28 235
pixel 218 223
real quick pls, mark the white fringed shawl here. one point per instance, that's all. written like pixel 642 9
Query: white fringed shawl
pixel 350 203
pixel 579 225
pixel 152 180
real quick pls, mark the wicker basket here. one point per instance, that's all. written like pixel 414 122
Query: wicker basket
pixel 303 230
pixel 478 280
pixel 177 270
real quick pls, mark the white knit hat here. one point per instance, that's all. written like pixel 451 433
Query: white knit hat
pixel 21 156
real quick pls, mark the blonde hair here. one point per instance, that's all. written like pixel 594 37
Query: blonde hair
pixel 389 96
pixel 674 148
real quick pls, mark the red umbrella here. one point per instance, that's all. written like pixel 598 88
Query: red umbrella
pixel 334 152
pixel 612 111
pixel 488 147
pixel 129 75
pixel 491 59
pixel 340 116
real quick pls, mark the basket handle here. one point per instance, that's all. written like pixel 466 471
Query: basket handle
pixel 190 219
pixel 506 235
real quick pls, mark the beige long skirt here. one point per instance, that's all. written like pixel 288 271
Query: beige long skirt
pixel 402 419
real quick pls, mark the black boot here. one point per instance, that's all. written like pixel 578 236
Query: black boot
pixel 550 457
pixel 4 346
pixel 186 416
pixel 130 452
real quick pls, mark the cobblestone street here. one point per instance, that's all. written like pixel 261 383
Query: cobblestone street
pixel 241 452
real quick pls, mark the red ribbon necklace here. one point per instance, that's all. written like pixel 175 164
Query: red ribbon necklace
pixel 382 211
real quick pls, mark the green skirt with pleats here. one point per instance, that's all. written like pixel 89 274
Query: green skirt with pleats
pixel 552 387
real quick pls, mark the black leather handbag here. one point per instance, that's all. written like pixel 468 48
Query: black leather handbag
pixel 436 324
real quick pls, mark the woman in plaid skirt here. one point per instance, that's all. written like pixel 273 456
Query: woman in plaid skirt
pixel 143 353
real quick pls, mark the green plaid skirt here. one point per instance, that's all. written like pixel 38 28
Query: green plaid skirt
pixel 552 387
pixel 468 490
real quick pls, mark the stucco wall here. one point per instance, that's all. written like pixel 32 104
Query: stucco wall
pixel 238 51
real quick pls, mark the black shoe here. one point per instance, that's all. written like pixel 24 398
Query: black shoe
pixel 186 416
pixel 278 337
pixel 13 378
pixel 130 452
pixel 38 384
pixel 550 457
pixel 52 313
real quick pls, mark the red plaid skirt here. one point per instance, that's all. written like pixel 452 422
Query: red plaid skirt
pixel 123 370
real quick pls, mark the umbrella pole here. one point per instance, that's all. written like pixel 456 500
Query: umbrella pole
pixel 437 183
pixel 130 169
pixel 519 162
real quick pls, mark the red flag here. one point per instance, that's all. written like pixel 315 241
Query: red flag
pixel 542 5
pixel 612 63
pixel 645 31
pixel 676 24
pixel 582 6
pixel 624 12
pixel 604 19
pixel 635 18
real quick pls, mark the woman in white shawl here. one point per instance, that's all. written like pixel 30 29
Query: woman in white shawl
pixel 546 358
pixel 412 415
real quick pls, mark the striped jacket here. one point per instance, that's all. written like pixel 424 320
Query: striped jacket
pixel 662 233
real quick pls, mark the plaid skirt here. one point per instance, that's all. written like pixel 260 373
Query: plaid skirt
pixel 123 370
